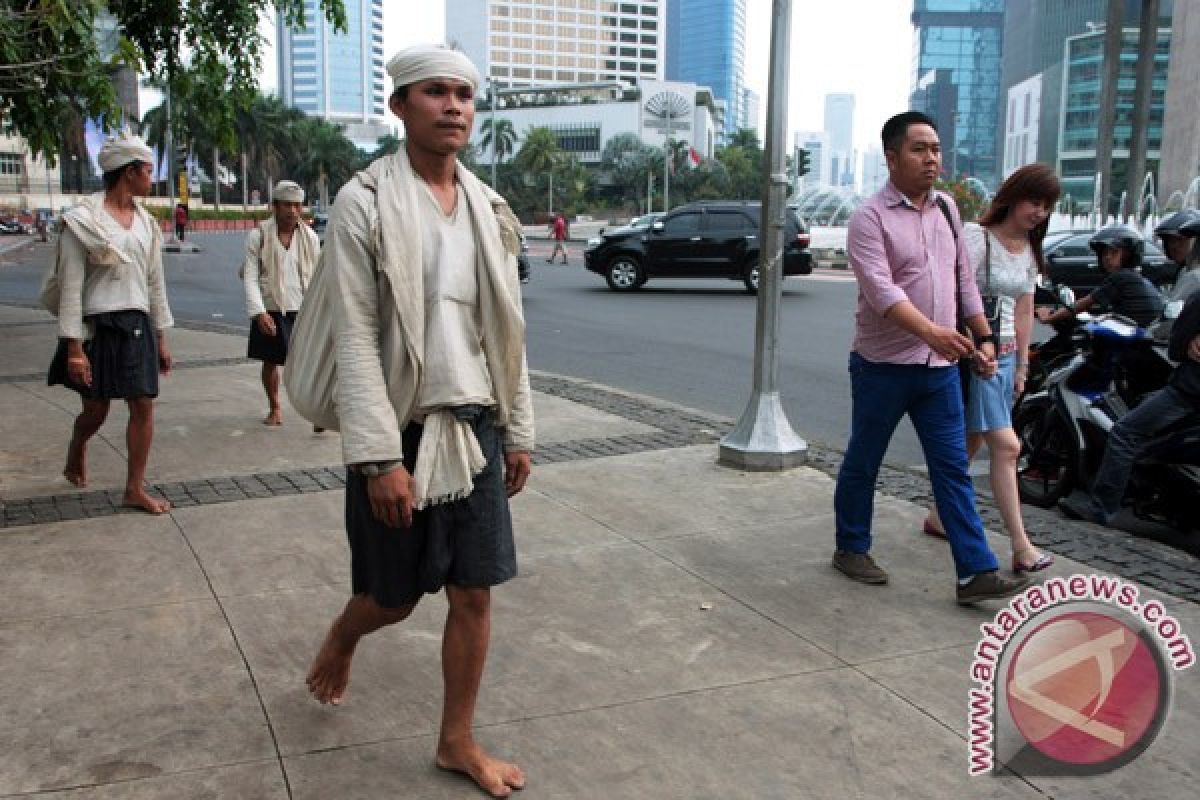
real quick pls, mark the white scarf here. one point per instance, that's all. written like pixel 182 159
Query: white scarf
pixel 449 455
pixel 272 257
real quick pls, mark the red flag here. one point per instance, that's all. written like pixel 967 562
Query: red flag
pixel 693 157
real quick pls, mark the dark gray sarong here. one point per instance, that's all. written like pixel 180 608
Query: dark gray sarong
pixel 123 353
pixel 467 542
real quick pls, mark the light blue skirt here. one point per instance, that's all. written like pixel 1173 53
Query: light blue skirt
pixel 990 400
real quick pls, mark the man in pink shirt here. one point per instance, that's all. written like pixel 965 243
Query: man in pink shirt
pixel 904 247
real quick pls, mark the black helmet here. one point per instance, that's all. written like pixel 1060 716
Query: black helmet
pixel 1121 237
pixel 1181 223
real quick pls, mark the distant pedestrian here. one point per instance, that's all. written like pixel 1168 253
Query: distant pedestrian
pixel 432 396
pixel 1005 249
pixel 181 221
pixel 107 290
pixel 281 254
pixel 559 231
pixel 905 249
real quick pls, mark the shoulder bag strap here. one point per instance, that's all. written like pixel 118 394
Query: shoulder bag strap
pixel 941 203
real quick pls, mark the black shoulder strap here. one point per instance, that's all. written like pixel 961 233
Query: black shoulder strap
pixel 941 203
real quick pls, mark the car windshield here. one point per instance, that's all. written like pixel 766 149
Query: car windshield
pixel 644 221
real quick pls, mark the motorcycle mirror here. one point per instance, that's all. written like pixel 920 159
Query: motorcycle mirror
pixel 1172 309
pixel 1066 295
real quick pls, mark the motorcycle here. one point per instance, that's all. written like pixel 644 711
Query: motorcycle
pixel 1063 427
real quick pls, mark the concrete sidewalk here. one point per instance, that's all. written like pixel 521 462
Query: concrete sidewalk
pixel 676 630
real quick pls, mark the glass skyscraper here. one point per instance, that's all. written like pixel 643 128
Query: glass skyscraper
pixel 706 45
pixel 964 37
pixel 336 75
pixel 1082 80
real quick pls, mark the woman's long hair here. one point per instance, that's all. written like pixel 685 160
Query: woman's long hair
pixel 1035 182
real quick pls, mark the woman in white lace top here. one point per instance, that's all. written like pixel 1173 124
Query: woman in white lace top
pixel 1005 248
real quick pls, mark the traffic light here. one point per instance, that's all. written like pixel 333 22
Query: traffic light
pixel 801 162
pixel 181 157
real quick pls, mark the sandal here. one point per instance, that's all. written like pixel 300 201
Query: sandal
pixel 1043 561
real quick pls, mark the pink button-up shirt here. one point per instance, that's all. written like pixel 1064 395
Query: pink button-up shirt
pixel 901 252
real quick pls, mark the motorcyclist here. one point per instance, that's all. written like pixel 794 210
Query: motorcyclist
pixel 1178 234
pixel 1119 248
pixel 1128 438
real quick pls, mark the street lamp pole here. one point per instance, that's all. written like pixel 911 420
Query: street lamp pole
pixel 763 438
pixel 550 193
pixel 495 141
pixel 667 164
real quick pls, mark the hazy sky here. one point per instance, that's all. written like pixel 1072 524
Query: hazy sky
pixel 859 46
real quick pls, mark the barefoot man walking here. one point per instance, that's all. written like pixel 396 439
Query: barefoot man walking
pixel 281 254
pixel 432 395
pixel 106 287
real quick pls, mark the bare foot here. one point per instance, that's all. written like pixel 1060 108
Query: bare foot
pixel 330 671
pixel 140 498
pixel 497 778
pixel 274 417
pixel 76 470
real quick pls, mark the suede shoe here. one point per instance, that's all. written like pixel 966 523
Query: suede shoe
pixel 860 567
pixel 990 586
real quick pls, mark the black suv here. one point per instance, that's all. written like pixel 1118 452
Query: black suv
pixel 700 240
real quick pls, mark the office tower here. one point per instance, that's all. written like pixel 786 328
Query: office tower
pixel 334 75
pixel 1180 162
pixel 706 45
pixel 964 37
pixel 1031 73
pixel 751 109
pixel 539 42
pixel 1078 118
pixel 819 162
pixel 874 171
pixel 839 124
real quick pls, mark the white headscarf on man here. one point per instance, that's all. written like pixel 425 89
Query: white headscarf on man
pixel 123 149
pixel 423 62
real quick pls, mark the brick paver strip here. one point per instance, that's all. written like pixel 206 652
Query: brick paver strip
pixel 1150 562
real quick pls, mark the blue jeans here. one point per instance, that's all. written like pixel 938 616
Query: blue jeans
pixel 882 394
pixel 1128 439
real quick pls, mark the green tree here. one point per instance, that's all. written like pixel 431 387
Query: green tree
pixel 627 163
pixel 505 136
pixel 325 157
pixel 540 152
pixel 969 199
pixel 52 69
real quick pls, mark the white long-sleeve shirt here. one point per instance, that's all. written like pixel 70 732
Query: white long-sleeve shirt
pixel 93 288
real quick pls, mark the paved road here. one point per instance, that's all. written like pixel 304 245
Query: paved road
pixel 690 342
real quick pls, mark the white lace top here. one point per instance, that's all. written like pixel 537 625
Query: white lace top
pixel 1012 275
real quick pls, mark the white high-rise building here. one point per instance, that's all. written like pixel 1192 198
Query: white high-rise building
pixel 537 42
pixel 839 124
pixel 874 171
pixel 751 108
pixel 819 164
pixel 334 75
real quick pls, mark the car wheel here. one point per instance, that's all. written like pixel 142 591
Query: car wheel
pixel 624 274
pixel 1046 466
pixel 750 276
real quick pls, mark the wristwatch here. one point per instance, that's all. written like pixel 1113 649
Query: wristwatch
pixel 373 469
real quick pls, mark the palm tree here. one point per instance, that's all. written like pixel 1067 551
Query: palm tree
pixel 506 137
pixel 325 157
pixel 541 152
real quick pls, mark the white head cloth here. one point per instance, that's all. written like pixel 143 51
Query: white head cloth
pixel 123 149
pixel 422 62
pixel 288 192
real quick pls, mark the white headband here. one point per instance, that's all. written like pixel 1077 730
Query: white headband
pixel 288 192
pixel 124 149
pixel 422 62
